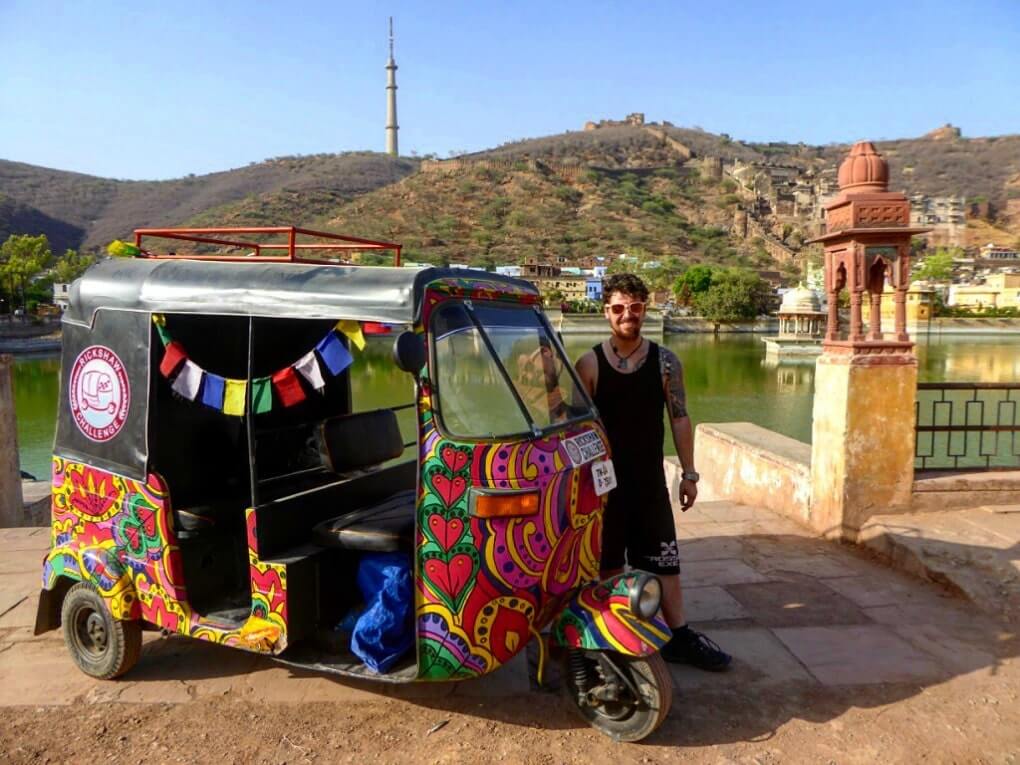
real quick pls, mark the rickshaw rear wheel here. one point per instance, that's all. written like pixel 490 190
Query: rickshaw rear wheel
pixel 623 716
pixel 101 646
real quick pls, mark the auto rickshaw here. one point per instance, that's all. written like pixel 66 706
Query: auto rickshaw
pixel 230 487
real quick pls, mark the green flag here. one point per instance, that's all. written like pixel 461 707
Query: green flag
pixel 261 395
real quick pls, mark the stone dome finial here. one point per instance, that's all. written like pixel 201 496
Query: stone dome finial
pixel 864 169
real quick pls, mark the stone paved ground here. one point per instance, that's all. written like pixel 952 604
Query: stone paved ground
pixel 829 643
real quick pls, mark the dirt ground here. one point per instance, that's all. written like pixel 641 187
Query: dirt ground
pixel 837 659
pixel 970 719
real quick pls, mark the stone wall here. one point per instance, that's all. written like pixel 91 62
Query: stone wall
pixel 696 324
pixel 680 148
pixel 11 513
pixel 567 172
pixel 745 463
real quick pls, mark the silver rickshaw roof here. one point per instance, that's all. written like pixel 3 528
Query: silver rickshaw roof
pixel 284 290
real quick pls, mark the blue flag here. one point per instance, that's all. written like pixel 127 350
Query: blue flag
pixel 334 355
pixel 212 391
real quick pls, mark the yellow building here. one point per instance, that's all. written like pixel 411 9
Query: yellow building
pixel 998 291
pixel 572 287
pixel 920 305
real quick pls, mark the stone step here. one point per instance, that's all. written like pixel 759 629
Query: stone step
pixel 974 552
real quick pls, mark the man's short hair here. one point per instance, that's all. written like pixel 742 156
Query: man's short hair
pixel 628 284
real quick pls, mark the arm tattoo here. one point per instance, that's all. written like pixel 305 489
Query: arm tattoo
pixel 676 396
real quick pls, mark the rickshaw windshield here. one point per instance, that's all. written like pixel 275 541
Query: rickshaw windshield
pixel 499 373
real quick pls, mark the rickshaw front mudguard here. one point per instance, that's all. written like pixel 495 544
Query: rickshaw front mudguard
pixel 600 618
pixel 68 564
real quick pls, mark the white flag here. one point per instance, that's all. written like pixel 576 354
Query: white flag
pixel 188 380
pixel 308 367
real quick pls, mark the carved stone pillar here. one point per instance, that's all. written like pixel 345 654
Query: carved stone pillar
pixel 856 321
pixel 832 322
pixel 875 318
pixel 901 315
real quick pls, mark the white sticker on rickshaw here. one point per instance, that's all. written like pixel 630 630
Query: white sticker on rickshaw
pixel 604 476
pixel 99 393
pixel 584 448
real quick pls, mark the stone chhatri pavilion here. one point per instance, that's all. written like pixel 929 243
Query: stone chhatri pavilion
pixel 862 451
pixel 800 327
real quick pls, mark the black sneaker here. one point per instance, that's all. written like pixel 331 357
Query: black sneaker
pixel 690 647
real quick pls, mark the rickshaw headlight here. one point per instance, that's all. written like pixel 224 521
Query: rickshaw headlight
pixel 645 596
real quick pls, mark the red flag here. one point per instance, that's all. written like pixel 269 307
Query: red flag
pixel 173 357
pixel 288 387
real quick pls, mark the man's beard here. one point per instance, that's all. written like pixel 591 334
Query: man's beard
pixel 627 331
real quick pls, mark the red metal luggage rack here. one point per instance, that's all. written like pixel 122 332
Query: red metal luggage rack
pixel 335 242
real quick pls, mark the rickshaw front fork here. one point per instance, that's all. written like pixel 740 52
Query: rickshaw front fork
pixel 592 689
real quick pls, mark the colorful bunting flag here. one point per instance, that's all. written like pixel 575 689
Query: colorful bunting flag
pixel 212 390
pixel 352 330
pixel 188 380
pixel 173 358
pixel 334 355
pixel 308 366
pixel 261 395
pixel 230 396
pixel 288 387
pixel 119 249
pixel 160 321
pixel 234 393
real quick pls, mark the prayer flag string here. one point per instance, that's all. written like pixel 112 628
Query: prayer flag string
pixel 229 396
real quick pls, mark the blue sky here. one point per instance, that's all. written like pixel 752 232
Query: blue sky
pixel 159 90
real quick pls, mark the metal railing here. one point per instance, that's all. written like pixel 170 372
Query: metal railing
pixel 967 426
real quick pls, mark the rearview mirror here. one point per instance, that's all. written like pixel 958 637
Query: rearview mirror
pixel 409 351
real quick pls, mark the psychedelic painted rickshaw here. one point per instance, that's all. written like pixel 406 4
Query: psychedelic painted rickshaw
pixel 237 474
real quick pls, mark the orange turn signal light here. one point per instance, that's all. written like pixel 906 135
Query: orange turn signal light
pixel 505 504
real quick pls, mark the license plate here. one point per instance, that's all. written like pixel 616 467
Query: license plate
pixel 584 448
pixel 604 476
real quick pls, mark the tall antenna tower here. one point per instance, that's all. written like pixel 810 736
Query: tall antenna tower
pixel 391 101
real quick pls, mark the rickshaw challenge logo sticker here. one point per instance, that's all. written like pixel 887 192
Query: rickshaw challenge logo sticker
pixel 99 392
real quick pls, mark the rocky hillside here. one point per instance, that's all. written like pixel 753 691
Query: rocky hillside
pixel 77 210
pixel 584 192
pixel 490 214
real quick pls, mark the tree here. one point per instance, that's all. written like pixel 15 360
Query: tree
pixel 22 256
pixel 693 282
pixel 734 295
pixel 71 265
pixel 937 267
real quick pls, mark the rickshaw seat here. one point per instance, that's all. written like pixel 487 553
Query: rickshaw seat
pixel 359 441
pixel 198 518
pixel 387 526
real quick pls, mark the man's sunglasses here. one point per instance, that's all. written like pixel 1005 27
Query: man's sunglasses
pixel 636 309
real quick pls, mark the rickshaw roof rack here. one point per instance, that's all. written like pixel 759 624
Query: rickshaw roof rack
pixel 252 238
pixel 261 287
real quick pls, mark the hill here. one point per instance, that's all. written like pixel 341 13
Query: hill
pixel 85 211
pixel 618 187
pixel 487 214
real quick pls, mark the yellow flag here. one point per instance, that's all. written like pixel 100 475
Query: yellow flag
pixel 234 394
pixel 352 329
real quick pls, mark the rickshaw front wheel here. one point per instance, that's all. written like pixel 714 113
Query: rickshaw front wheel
pixel 625 697
pixel 101 646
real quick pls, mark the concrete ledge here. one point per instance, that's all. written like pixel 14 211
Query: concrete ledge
pixel 948 490
pixel 745 463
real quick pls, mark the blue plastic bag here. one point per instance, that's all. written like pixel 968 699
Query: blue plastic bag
pixel 385 630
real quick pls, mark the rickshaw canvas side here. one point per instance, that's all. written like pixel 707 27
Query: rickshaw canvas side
pixel 117 533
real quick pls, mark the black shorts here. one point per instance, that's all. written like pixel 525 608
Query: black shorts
pixel 638 529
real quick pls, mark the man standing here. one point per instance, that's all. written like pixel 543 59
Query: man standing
pixel 630 379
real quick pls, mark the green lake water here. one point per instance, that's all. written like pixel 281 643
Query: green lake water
pixel 727 380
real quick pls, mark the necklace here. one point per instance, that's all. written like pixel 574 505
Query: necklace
pixel 622 363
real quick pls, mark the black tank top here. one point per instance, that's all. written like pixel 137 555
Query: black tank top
pixel 631 407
